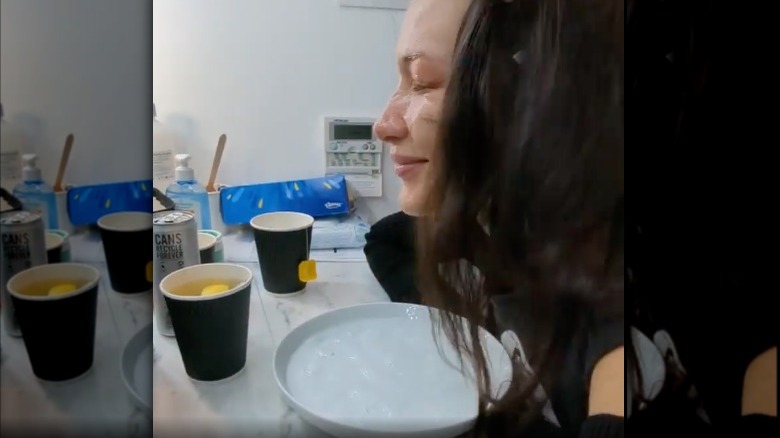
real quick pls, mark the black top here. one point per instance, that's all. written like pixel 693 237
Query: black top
pixel 390 253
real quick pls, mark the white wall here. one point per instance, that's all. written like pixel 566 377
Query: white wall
pixel 81 67
pixel 265 72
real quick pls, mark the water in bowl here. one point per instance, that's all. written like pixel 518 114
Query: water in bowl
pixel 374 373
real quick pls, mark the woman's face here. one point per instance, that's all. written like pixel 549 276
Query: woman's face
pixel 410 121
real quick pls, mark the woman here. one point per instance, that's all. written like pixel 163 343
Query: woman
pixel 528 186
pixel 505 164
pixel 410 122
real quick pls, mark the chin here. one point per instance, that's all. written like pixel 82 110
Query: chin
pixel 411 201
pixel 411 211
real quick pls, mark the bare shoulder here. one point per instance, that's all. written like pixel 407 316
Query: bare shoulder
pixel 607 385
pixel 759 393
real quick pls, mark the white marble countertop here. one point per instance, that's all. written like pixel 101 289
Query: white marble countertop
pixel 247 405
pixel 97 404
pixel 250 404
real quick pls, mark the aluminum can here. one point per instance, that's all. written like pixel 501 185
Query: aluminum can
pixel 175 247
pixel 23 246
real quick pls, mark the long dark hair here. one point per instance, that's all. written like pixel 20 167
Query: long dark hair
pixel 528 180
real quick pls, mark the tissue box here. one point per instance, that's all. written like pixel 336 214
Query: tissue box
pixel 318 197
pixel 87 204
pixel 339 232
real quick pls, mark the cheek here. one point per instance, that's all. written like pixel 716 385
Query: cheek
pixel 412 197
pixel 415 109
pixel 425 108
pixel 422 117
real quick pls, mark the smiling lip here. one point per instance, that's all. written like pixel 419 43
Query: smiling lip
pixel 406 167
pixel 403 160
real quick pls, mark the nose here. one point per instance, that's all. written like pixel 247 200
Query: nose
pixel 391 126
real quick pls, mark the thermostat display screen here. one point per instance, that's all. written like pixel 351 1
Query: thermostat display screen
pixel 352 132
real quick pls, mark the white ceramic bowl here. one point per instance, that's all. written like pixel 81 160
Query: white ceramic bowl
pixel 375 370
pixel 136 368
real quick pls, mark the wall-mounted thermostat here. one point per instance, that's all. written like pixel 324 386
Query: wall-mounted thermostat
pixel 352 149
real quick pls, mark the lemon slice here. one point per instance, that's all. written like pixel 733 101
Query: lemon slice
pixel 307 271
pixel 214 289
pixel 62 289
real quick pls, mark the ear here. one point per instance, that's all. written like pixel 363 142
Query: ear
pixel 607 385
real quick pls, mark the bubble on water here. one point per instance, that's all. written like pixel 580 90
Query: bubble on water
pixel 324 353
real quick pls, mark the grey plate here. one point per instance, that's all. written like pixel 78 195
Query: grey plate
pixel 137 368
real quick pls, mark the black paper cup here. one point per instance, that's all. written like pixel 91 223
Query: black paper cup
pixel 207 245
pixel 127 245
pixel 54 246
pixel 58 330
pixel 65 256
pixel 283 240
pixel 211 330
pixel 219 248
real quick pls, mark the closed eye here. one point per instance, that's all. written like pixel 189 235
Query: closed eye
pixel 418 87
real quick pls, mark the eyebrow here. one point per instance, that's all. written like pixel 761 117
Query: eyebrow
pixel 413 56
pixel 406 60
